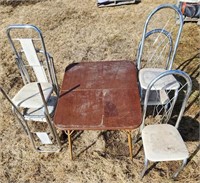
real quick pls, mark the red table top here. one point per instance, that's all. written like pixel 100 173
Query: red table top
pixel 99 96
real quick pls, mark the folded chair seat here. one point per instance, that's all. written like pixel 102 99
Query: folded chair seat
pixel 29 96
pixel 38 113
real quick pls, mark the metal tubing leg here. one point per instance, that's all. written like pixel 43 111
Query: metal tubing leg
pixel 53 131
pixel 130 144
pixel 180 168
pixel 15 111
pixel 145 167
pixel 48 118
pixel 57 137
pixel 30 135
pixel 21 123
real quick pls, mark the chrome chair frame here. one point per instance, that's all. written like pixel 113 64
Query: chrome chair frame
pixel 154 72
pixel 187 94
pixel 169 65
pixel 164 32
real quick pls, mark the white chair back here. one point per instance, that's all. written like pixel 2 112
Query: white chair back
pixel 32 58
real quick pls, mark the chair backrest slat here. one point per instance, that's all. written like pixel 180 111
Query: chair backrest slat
pixel 32 58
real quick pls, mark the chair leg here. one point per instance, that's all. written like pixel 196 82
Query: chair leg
pixel 145 167
pixel 20 119
pixel 180 168
pixel 31 137
pixel 21 123
pixel 26 128
pixel 53 131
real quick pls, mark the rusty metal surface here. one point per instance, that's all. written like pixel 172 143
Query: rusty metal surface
pixel 99 96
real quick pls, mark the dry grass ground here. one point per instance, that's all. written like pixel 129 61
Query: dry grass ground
pixel 77 31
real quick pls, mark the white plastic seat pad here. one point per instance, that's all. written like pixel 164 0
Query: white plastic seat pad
pixel 38 114
pixel 29 95
pixel 163 142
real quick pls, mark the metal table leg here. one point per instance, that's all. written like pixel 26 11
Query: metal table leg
pixel 130 143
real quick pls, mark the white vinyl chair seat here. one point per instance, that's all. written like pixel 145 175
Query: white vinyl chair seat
pixel 38 114
pixel 163 142
pixel 146 75
pixel 29 95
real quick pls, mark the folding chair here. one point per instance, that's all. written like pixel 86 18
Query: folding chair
pixel 35 66
pixel 43 138
pixel 162 141
pixel 156 97
pixel 157 49
pixel 102 3
pixel 34 63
